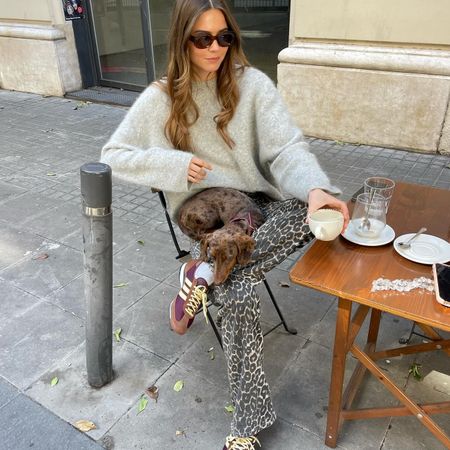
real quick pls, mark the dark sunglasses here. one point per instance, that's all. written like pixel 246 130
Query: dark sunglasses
pixel 204 40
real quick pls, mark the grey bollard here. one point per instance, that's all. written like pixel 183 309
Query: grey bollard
pixel 96 198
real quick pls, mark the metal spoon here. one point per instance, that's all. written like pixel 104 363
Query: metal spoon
pixel 365 222
pixel 407 244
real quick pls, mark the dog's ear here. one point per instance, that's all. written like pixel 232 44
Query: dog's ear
pixel 204 244
pixel 245 245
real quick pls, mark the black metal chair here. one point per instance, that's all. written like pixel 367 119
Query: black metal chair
pixel 184 253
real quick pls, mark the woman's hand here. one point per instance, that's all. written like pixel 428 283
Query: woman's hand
pixel 318 199
pixel 196 170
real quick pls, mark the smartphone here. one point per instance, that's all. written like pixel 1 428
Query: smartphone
pixel 441 274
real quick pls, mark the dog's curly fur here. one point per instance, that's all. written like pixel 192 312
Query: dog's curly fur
pixel 217 218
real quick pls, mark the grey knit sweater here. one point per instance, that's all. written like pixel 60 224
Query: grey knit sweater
pixel 269 156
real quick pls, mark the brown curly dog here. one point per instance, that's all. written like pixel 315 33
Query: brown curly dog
pixel 223 220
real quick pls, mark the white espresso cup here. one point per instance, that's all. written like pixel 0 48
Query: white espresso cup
pixel 326 224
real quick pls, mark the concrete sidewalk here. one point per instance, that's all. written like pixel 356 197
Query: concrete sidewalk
pixel 43 143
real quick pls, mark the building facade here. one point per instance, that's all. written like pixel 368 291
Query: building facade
pixel 374 71
pixel 37 48
pixel 58 46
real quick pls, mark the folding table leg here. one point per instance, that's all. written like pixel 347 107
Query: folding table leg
pixel 337 371
pixel 415 409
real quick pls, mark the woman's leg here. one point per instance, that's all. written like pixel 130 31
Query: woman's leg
pixel 284 231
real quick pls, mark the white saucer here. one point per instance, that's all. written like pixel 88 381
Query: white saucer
pixel 425 249
pixel 386 236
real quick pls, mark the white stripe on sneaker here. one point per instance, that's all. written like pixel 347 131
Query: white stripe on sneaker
pixel 181 274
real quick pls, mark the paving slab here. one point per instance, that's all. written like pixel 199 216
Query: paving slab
pixel 301 307
pixel 151 259
pixel 7 392
pixel 286 436
pixel 42 309
pixel 24 424
pixel 15 245
pixel 9 191
pixel 35 341
pixel 197 412
pixel 15 302
pixel 49 267
pixel 73 399
pixel 146 324
pixel 124 233
pixel 130 287
pixel 301 398
pixel 57 223
pixel 27 207
pixel 392 329
pixel 434 387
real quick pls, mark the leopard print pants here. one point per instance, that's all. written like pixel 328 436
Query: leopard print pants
pixel 283 232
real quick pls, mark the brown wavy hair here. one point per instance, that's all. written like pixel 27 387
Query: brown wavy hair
pixel 178 81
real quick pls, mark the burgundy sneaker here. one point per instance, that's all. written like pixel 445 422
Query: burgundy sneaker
pixel 241 443
pixel 190 297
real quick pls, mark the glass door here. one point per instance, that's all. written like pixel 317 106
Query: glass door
pixel 264 27
pixel 160 11
pixel 123 43
pixel 130 37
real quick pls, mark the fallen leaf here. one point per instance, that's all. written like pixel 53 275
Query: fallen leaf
pixel 51 174
pixel 54 381
pixel 41 256
pixel 211 353
pixel 339 142
pixel 117 334
pixel 81 104
pixel 284 284
pixel 142 404
pixel 178 386
pixel 119 285
pixel 141 242
pixel 85 425
pixel 153 392
pixel 180 433
pixel 229 409
pixel 414 370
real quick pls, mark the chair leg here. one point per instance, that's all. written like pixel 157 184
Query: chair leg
pixel 405 340
pixel 181 253
pixel 285 325
pixel 216 331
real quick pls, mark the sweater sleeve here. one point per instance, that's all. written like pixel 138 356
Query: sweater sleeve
pixel 282 147
pixel 138 151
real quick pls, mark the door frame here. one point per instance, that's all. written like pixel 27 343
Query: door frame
pixel 148 50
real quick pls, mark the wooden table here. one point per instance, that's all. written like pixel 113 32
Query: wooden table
pixel 347 270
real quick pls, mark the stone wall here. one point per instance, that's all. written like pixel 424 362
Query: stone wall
pixel 370 95
pixel 375 72
pixel 37 48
